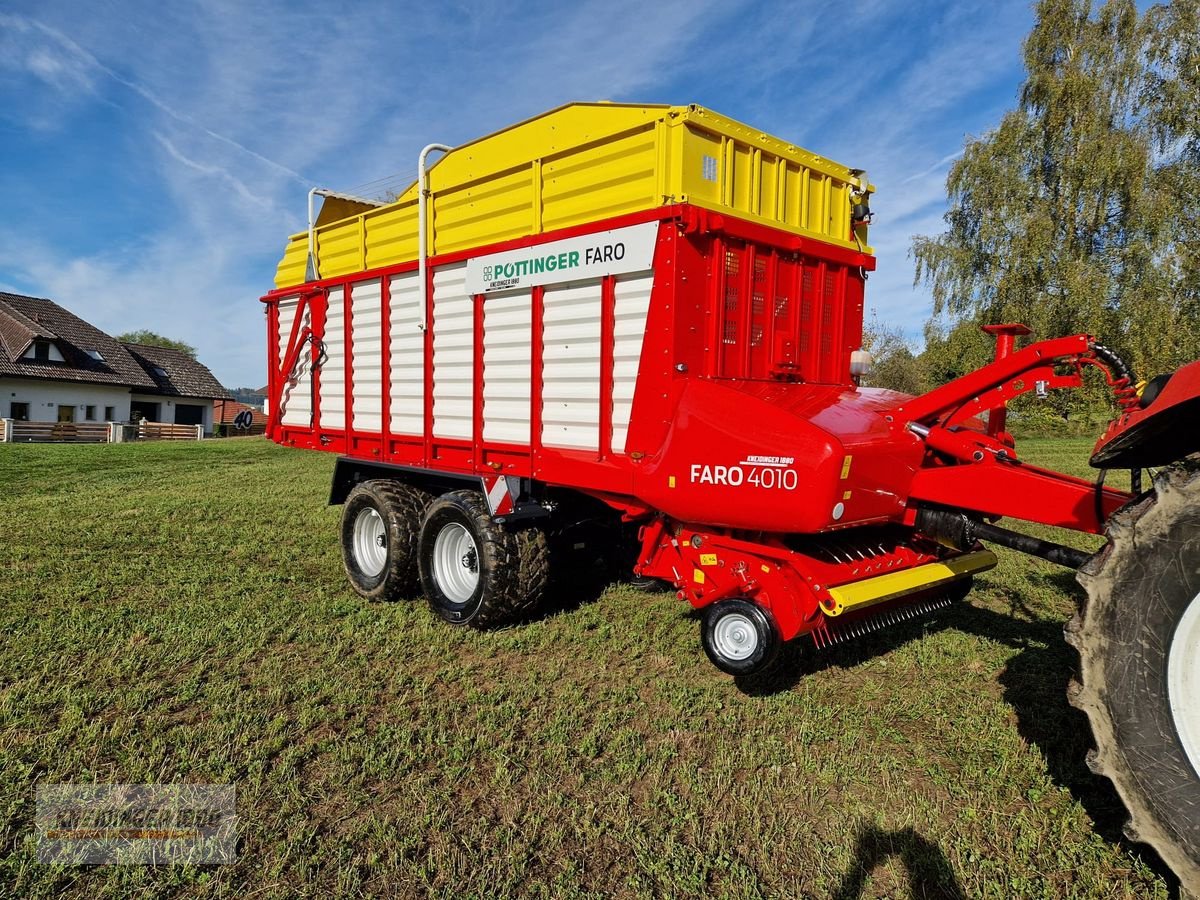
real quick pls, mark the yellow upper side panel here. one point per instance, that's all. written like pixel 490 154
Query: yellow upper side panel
pixel 291 268
pixel 585 162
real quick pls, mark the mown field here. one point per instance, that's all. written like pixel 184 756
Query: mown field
pixel 177 612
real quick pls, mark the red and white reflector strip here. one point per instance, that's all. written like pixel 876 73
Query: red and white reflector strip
pixel 499 497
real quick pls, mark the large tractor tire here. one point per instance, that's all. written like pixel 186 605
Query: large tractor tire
pixel 474 571
pixel 1138 637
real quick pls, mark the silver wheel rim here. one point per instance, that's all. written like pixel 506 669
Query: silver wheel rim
pixel 1183 681
pixel 735 637
pixel 456 563
pixel 370 542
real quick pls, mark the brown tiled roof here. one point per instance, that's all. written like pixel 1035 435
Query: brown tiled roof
pixel 18 331
pixel 181 376
pixel 224 412
pixel 24 319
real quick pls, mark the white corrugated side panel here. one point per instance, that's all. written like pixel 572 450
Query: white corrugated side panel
pixel 453 353
pixel 296 400
pixel 408 356
pixel 571 366
pixel 507 350
pixel 366 336
pixel 333 374
pixel 629 328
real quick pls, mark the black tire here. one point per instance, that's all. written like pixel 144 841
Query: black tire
pixel 957 591
pixel 1140 586
pixel 503 573
pixel 739 637
pixel 400 508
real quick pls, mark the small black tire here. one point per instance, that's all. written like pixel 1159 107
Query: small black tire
pixel 1138 637
pixel 380 525
pixel 474 571
pixel 957 591
pixel 739 637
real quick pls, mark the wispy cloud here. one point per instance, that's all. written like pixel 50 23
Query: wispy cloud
pixel 172 286
pixel 64 64
pixel 938 166
pixel 56 61
pixel 221 173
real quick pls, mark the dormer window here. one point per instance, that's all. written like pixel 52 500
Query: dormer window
pixel 159 371
pixel 43 351
pixel 95 354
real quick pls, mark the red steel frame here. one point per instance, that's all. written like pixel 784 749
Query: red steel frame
pixel 906 451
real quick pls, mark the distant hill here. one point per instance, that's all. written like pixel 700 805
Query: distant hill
pixel 250 396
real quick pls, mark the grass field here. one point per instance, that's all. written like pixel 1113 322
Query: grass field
pixel 177 612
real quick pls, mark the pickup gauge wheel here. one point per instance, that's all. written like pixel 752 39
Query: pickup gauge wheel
pixel 475 572
pixel 1138 638
pixel 739 637
pixel 380 525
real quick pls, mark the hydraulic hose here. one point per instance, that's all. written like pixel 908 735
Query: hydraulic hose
pixel 1114 362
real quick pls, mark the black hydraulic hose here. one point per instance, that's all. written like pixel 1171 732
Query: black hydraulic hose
pixel 1014 540
pixel 1119 368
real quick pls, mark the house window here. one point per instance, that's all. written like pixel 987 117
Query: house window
pixel 110 414
pixel 89 413
pixel 143 409
pixel 95 354
pixel 19 411
pixel 189 414
pixel 159 371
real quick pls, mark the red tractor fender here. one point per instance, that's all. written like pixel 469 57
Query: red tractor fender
pixel 1160 429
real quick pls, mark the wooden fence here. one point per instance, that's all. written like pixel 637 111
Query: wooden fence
pixel 17 432
pixel 159 431
pixel 58 432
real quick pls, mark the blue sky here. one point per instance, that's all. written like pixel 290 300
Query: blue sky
pixel 154 156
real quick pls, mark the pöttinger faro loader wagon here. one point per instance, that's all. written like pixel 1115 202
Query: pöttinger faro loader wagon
pixel 650 318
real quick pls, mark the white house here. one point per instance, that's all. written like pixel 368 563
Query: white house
pixel 55 367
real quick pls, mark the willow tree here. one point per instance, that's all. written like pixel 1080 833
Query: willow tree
pixel 1067 216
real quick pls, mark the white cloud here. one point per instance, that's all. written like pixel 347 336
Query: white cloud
pixel 239 187
pixel 174 287
pixel 27 47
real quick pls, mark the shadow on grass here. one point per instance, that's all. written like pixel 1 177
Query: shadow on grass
pixel 929 874
pixel 1035 684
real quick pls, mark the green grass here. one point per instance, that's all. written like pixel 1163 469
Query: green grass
pixel 177 612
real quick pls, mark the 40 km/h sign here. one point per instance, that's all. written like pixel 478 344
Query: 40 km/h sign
pixel 243 420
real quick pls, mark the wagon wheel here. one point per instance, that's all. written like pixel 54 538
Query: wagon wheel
pixel 475 572
pixel 380 527
pixel 1138 638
